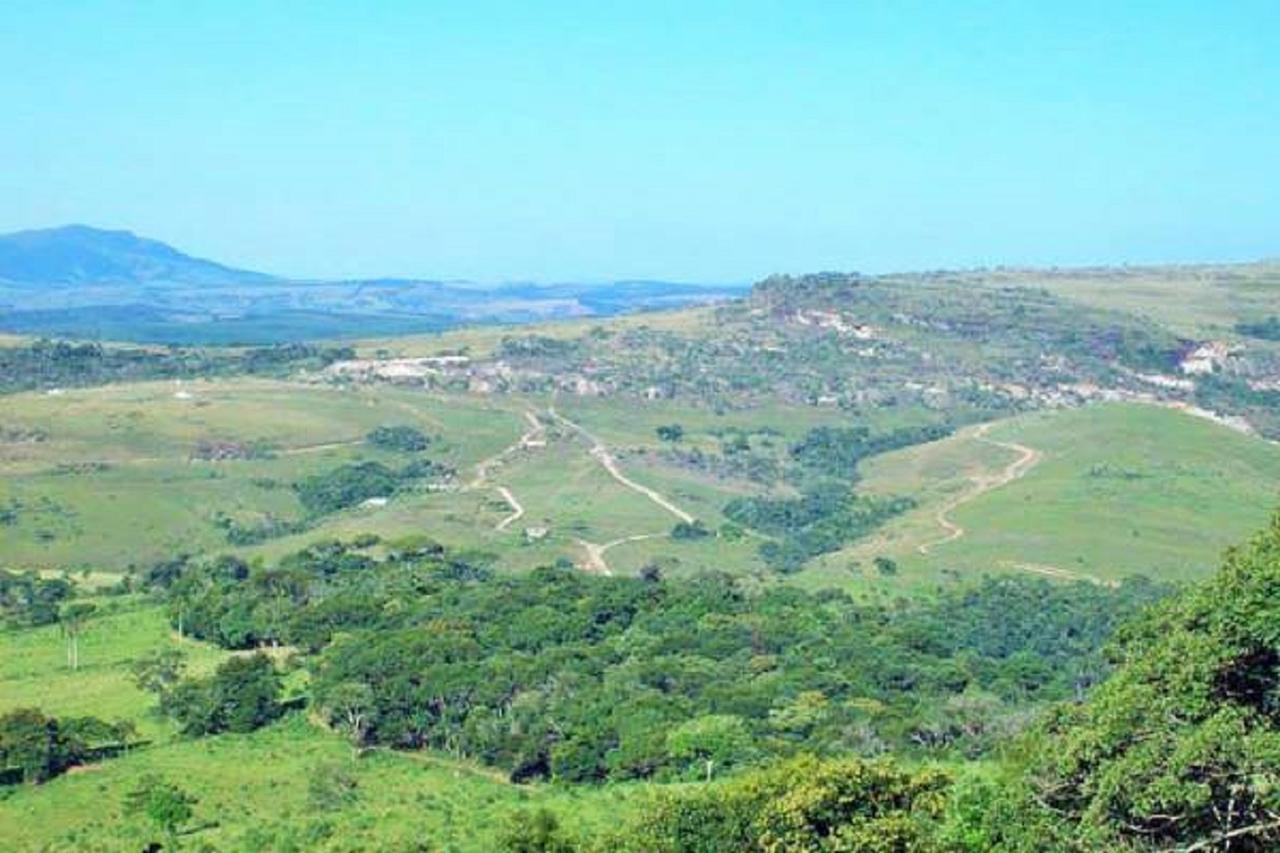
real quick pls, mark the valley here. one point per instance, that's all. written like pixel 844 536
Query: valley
pixel 627 554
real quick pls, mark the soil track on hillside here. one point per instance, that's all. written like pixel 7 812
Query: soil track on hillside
pixel 595 561
pixel 1028 458
pixel 606 460
pixel 517 510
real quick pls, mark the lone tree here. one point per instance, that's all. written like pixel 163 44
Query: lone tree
pixel 163 803
pixel 72 618
pixel 159 672
pixel 670 432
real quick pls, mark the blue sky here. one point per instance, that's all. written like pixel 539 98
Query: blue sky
pixel 696 141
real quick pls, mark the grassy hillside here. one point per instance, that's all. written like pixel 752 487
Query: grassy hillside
pixel 1112 490
pixel 103 479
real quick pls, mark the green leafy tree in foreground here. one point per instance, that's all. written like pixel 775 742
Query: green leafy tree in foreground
pixel 1180 748
pixel 242 695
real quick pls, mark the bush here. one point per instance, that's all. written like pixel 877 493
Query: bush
pixel 406 439
pixel 346 486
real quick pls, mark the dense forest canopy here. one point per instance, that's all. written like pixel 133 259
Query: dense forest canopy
pixel 581 678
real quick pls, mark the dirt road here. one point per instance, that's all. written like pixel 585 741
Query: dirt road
pixel 517 510
pixel 1028 458
pixel 606 460
pixel 595 561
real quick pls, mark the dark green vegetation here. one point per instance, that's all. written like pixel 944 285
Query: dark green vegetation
pixel 818 522
pixel 59 364
pixel 827 515
pixel 1267 330
pixel 27 599
pixel 404 438
pixel 35 747
pixel 1179 748
pixel 242 695
pixel 566 676
pixel 809 722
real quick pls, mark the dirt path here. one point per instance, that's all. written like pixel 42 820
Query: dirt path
pixel 320 448
pixel 1028 458
pixel 528 439
pixel 595 561
pixel 1055 572
pixel 517 510
pixel 605 458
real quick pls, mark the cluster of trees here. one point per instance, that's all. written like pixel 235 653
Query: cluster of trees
pixel 558 674
pixel 1224 392
pixel 1178 749
pixel 49 364
pixel 800 804
pixel 405 439
pixel 38 747
pixel 828 514
pixel 26 599
pixel 262 529
pixel 836 451
pixel 348 485
pixel 536 347
pixel 243 694
pixel 823 519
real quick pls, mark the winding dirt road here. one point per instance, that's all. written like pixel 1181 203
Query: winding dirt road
pixel 1028 458
pixel 528 439
pixel 517 510
pixel 595 561
pixel 606 460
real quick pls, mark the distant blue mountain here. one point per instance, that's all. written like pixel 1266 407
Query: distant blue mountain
pixel 78 254
pixel 83 282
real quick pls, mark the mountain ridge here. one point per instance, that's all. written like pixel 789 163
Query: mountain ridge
pixel 76 254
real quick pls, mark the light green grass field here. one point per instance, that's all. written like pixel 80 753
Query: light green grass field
pixel 135 495
pixel 1121 489
pixel 1200 301
pixel 34 671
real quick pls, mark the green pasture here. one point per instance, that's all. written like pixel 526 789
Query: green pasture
pixel 1122 489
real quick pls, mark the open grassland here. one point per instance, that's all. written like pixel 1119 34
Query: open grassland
pixel 254 790
pixel 1197 301
pixel 480 341
pixel 1112 490
pixel 104 478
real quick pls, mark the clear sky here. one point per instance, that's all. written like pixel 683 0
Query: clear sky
pixel 700 141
